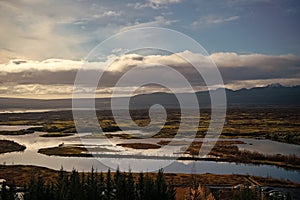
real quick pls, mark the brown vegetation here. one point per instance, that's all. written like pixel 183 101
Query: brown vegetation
pixel 280 124
pixel 73 150
pixel 139 145
pixel 56 134
pixel 228 151
pixel 21 174
pixel 10 146
pixel 18 132
pixel 66 151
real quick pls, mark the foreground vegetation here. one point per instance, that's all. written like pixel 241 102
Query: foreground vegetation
pixel 44 183
pixel 20 174
pixel 7 146
pixel 92 186
pixel 121 186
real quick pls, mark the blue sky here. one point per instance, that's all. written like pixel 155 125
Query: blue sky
pixel 67 30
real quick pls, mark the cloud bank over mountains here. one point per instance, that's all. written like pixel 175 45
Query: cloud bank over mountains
pixel 56 76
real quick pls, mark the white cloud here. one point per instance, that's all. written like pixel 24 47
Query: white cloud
pixel 121 63
pixel 28 31
pixel 230 59
pixel 154 4
pixel 165 1
pixel 108 13
pixel 211 20
pixel 36 91
pixel 159 21
pixel 56 76
pixel 17 65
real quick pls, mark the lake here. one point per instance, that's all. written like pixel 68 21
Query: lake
pixel 33 142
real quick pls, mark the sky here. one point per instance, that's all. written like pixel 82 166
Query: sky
pixel 44 43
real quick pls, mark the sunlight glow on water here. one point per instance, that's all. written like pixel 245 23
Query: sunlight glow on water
pixel 33 142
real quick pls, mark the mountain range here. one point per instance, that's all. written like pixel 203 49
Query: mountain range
pixel 271 95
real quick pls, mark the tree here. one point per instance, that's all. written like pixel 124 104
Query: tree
pixel 6 192
pixel 160 186
pixel 37 190
pixel 118 184
pixel 108 194
pixel 101 186
pixel 149 188
pixel 171 192
pixel 69 186
pixel 92 186
pixel 140 187
pixel 75 186
pixel 62 185
pixel 130 187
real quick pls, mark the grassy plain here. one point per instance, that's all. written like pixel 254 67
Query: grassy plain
pixel 279 124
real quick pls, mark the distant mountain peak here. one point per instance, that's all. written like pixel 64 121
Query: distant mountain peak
pixel 275 85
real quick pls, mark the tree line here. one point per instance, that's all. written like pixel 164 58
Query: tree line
pixel 120 185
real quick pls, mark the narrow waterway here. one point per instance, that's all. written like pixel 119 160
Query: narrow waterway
pixel 33 142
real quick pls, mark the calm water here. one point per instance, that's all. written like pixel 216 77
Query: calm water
pixel 30 110
pixel 33 142
pixel 269 147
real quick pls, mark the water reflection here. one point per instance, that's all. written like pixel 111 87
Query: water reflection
pixel 33 142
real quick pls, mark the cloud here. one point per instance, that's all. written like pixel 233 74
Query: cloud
pixel 52 65
pixel 36 91
pixel 165 1
pixel 213 20
pixel 108 13
pixel 29 31
pixel 121 63
pixel 231 59
pixel 56 76
pixel 154 4
pixel 158 21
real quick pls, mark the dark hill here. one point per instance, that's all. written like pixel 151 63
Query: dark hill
pixel 272 95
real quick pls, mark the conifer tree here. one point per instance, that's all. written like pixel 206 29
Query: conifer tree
pixel 75 186
pixel 149 188
pixel 62 185
pixel 140 187
pixel 118 184
pixel 130 187
pixel 171 192
pixel 160 186
pixel 101 186
pixel 92 186
pixel 109 186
